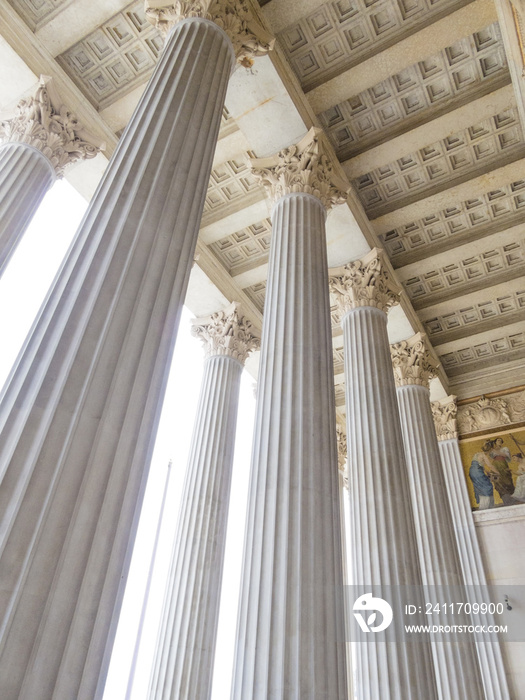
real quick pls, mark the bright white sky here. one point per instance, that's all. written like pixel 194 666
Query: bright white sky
pixel 22 290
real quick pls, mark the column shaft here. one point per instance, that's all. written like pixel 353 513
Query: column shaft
pixel 290 643
pixel 186 645
pixel 25 177
pixel 383 539
pixel 81 407
pixel 456 665
pixel 489 653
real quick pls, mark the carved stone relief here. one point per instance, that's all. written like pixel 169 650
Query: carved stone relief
pixel 413 362
pixel 487 413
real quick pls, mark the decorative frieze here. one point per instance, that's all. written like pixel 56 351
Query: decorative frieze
pixel 486 412
pixel 226 332
pixel 45 123
pixel 413 362
pixel 304 167
pixel 365 282
pixel 249 39
pixel 445 418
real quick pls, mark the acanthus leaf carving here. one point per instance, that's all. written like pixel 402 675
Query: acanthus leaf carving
pixel 413 362
pixel 365 282
pixel 248 37
pixel 226 332
pixel 45 123
pixel 445 418
pixel 342 453
pixel 304 167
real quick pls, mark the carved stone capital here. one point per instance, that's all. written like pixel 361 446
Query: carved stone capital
pixel 342 447
pixel 226 332
pixel 445 418
pixel 249 39
pixel 44 122
pixel 365 282
pixel 412 361
pixel 304 167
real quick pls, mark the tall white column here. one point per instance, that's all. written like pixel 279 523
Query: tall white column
pixel 183 666
pixel 290 637
pixel 80 410
pixel 489 652
pixel 342 458
pixel 383 544
pixel 455 662
pixel 38 143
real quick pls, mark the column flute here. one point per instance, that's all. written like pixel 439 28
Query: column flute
pixel 290 637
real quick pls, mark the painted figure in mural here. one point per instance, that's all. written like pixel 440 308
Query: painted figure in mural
pixel 518 464
pixel 498 458
pixel 483 489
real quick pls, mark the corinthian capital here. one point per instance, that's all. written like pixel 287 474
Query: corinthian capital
pixel 304 167
pixel 413 362
pixel 249 39
pixel 445 418
pixel 365 282
pixel 226 332
pixel 44 122
pixel 342 447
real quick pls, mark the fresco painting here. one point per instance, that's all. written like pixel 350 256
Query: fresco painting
pixel 495 468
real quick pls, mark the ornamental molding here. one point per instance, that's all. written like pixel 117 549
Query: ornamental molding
pixel 487 413
pixel 45 123
pixel 364 282
pixel 413 362
pixel 445 414
pixel 248 37
pixel 226 332
pixel 304 167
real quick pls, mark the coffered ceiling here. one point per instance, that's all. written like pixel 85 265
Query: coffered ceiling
pixel 420 101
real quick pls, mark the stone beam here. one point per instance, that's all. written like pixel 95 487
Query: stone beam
pixel 428 41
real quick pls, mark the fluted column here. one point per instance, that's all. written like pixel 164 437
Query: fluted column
pixel 383 544
pixel 38 143
pixel 183 666
pixel 456 665
pixel 290 640
pixel 489 652
pixel 80 410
